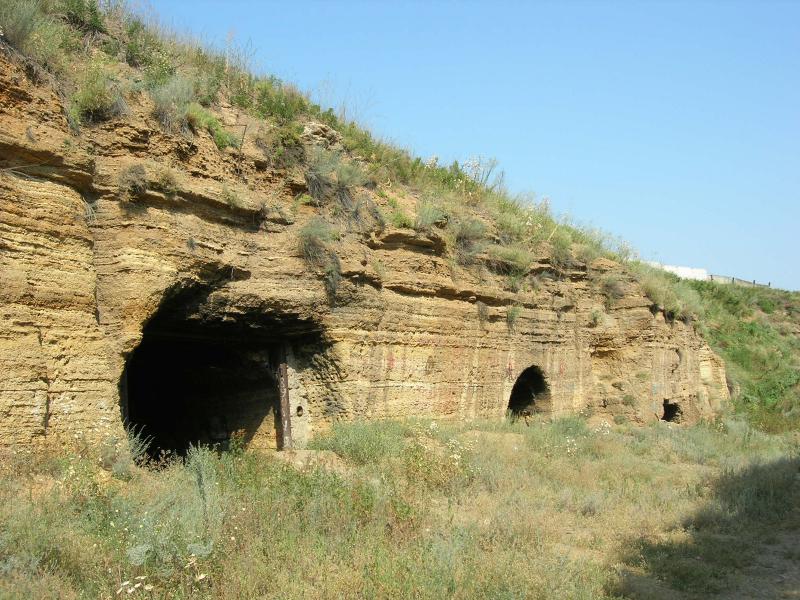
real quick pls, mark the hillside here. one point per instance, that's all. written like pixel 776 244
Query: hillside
pixel 197 251
pixel 109 66
pixel 473 398
pixel 757 332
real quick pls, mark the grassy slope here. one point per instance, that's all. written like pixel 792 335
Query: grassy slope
pixel 757 332
pixel 553 510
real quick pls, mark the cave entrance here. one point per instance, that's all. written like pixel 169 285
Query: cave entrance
pixel 207 379
pixel 672 412
pixel 530 393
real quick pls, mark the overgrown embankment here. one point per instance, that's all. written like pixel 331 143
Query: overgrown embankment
pixel 757 332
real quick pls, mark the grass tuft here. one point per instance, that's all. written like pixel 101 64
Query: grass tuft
pixel 98 97
pixel 199 118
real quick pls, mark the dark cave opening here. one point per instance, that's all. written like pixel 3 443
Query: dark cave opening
pixel 672 412
pixel 201 390
pixel 529 393
pixel 205 373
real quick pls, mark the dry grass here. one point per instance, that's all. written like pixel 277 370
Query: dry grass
pixel 427 510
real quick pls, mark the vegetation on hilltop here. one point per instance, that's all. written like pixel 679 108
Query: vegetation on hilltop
pixel 100 55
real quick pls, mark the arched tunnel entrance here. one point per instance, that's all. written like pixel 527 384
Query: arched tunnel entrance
pixel 530 393
pixel 201 376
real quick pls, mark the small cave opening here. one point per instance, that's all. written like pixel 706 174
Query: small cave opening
pixel 199 377
pixel 529 394
pixel 672 412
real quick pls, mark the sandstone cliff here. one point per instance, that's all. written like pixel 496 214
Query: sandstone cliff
pixel 168 306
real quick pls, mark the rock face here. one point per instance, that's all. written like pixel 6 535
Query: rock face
pixel 169 304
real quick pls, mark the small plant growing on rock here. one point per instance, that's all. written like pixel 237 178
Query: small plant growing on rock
pixel 510 260
pixel 170 101
pixel 428 215
pixel 329 175
pixel 613 289
pixel 483 312
pixel 595 318
pixel 379 268
pixel 401 220
pixel 167 182
pixel 84 14
pixel 199 118
pixel 561 248
pixel 132 182
pixel 98 97
pixel 467 234
pixel 281 144
pixel 230 197
pixel 314 240
pixel 512 314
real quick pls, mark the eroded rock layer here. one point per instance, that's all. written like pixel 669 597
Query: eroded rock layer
pixel 203 268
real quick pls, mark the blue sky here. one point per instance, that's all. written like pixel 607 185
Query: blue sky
pixel 675 126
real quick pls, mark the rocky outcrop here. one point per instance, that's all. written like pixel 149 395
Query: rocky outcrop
pixel 198 274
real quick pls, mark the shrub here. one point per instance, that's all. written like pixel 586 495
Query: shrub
pixel 281 144
pixel 132 182
pixel 675 297
pixel 428 215
pixel 613 288
pixel 314 238
pixel 143 46
pixel 230 197
pixel 84 14
pixel 561 248
pixel 512 314
pixel 199 118
pixel 321 165
pixel 273 99
pixel 401 220
pixel 98 97
pixel 167 182
pixel 348 175
pixel 364 443
pixel 467 234
pixel 510 260
pixel 18 20
pixel 170 101
pixel 330 174
pixel 587 253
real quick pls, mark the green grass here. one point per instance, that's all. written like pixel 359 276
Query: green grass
pixel 417 509
pixel 98 97
pixel 199 118
pixel 753 329
pixel 171 101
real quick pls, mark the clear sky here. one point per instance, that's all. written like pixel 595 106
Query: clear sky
pixel 675 126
